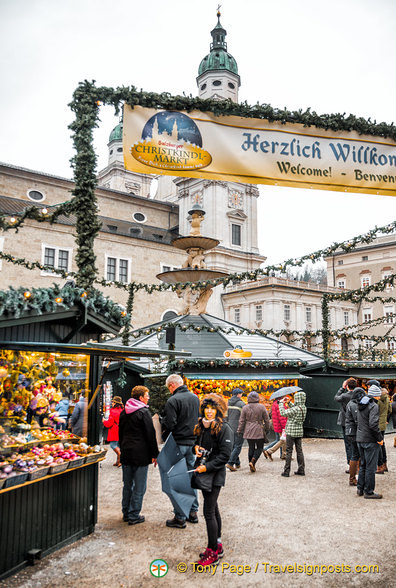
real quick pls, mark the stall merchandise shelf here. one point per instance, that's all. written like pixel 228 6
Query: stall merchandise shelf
pixel 3 490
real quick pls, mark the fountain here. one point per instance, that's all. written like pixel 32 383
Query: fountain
pixel 194 268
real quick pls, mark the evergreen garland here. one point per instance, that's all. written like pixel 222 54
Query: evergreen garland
pixel 86 107
pixel 182 364
pixel 17 301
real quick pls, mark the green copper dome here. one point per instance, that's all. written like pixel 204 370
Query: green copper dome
pixel 218 58
pixel 116 133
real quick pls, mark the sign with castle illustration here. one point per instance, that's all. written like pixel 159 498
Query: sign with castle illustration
pixel 230 148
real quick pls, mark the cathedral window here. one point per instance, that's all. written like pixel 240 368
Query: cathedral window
pixel 56 257
pixel 168 268
pixel 118 269
pixel 231 85
pixel 237 315
pixel 236 231
pixel 259 313
pixel 35 195
pixel 139 217
pixel 203 87
pixel 168 315
pixel 216 83
pixel 286 312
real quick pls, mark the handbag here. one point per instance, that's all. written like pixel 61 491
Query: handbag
pixel 203 481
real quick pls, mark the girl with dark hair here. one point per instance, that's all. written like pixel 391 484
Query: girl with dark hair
pixel 213 449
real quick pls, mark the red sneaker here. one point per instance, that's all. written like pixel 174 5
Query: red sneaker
pixel 220 550
pixel 209 558
pixel 204 553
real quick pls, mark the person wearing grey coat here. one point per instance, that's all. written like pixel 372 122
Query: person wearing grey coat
pixel 254 425
pixel 78 419
pixel 343 396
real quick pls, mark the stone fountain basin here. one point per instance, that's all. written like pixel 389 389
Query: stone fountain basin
pixel 190 275
pixel 200 242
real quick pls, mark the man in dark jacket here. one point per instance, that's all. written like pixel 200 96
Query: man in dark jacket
pixel 344 395
pixel 138 446
pixel 350 433
pixel 235 405
pixel 180 417
pixel 369 439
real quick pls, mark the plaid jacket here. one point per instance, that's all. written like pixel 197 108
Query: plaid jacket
pixel 295 415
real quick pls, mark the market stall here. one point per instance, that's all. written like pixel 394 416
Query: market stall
pixel 49 474
pixel 225 356
pixel 324 383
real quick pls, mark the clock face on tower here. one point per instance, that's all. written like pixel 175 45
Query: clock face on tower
pixel 235 200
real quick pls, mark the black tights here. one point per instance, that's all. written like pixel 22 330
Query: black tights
pixel 212 516
pixel 255 448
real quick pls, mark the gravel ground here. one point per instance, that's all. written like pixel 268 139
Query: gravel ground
pixel 268 521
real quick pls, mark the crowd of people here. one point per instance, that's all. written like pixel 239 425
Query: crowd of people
pixel 363 417
pixel 210 435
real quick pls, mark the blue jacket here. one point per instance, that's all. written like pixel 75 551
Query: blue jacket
pixel 62 408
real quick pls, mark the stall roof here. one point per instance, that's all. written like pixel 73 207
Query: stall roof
pixel 114 352
pixel 211 345
pixel 373 375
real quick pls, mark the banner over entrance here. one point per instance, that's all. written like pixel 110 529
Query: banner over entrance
pixel 255 151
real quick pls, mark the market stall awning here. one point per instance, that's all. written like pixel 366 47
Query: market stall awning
pixel 244 376
pixel 110 352
pixel 373 375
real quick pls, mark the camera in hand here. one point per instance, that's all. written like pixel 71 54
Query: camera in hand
pixel 205 455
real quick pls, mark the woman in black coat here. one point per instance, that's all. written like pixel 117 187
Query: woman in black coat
pixel 213 449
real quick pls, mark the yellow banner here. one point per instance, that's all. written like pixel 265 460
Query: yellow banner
pixel 201 145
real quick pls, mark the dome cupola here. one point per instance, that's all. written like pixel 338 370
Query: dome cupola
pixel 116 133
pixel 218 71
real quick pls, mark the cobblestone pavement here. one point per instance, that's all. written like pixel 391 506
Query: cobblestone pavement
pixel 269 522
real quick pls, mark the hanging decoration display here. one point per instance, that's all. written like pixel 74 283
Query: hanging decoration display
pixel 225 387
pixel 199 144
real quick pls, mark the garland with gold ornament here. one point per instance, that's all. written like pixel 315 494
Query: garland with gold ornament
pixel 40 214
pixel 233 363
pixel 17 301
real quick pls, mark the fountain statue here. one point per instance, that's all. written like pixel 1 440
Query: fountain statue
pixel 194 268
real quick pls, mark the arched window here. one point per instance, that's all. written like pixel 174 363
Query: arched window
pixel 168 315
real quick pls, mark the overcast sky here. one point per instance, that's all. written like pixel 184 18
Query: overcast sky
pixel 334 56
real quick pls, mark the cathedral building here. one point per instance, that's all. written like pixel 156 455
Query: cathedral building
pixel 231 207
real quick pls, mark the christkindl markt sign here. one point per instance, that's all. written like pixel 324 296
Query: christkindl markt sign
pixel 232 148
